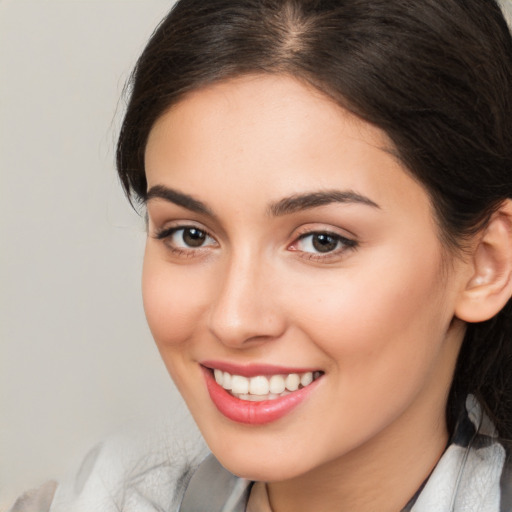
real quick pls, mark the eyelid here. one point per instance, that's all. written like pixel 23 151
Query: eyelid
pixel 171 227
pixel 161 214
pixel 166 233
pixel 348 243
pixel 316 227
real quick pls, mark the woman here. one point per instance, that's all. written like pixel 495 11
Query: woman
pixel 329 258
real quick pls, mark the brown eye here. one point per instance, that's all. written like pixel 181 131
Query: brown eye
pixel 318 243
pixel 193 237
pixel 186 238
pixel 324 243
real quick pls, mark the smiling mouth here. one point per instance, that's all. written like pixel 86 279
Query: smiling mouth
pixel 261 387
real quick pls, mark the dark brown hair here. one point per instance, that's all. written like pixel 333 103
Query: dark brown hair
pixel 435 75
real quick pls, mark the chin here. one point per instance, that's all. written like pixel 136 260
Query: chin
pixel 262 464
pixel 265 471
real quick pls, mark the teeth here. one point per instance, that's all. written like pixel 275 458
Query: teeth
pixel 257 398
pixel 277 384
pixel 306 379
pixel 292 382
pixel 260 388
pixel 219 376
pixel 226 381
pixel 239 384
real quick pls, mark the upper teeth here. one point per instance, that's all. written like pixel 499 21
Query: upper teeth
pixel 262 385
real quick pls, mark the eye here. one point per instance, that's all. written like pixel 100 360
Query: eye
pixel 187 237
pixel 318 243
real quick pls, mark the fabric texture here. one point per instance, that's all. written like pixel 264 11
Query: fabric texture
pixel 473 475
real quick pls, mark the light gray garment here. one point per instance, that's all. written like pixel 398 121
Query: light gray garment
pixel 473 475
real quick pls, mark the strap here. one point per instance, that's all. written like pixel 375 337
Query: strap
pixel 214 489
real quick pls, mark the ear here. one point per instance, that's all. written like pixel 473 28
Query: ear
pixel 490 286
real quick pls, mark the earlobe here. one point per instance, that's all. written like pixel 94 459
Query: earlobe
pixel 490 286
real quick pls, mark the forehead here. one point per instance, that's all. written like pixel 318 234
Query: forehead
pixel 273 102
pixel 264 137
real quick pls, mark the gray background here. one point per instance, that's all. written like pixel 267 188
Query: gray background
pixel 77 362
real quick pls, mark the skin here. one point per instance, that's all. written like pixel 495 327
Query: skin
pixel 377 315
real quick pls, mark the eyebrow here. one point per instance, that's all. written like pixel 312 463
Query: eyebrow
pixel 284 206
pixel 315 199
pixel 178 198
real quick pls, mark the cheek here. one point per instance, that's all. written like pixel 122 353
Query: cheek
pixel 383 334
pixel 391 312
pixel 173 301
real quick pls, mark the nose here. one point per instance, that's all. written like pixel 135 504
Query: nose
pixel 245 309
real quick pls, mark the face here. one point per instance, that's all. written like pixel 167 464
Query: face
pixel 292 258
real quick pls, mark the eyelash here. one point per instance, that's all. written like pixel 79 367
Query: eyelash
pixel 166 235
pixel 343 244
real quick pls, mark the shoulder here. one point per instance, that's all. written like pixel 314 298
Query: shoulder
pixel 123 474
pixel 506 478
pixel 474 473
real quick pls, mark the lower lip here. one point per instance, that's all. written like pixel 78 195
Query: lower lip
pixel 253 413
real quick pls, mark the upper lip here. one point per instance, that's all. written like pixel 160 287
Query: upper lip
pixel 253 370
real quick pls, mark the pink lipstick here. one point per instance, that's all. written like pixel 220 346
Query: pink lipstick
pixel 258 410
